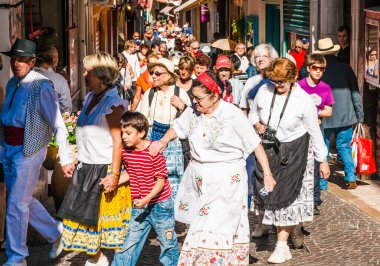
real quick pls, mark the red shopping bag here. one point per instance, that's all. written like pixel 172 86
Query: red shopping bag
pixel 365 160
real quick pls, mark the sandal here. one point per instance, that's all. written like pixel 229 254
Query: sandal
pixel 2 245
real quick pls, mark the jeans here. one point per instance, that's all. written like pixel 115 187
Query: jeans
pixel 343 137
pixel 160 216
pixel 317 189
pixel 250 165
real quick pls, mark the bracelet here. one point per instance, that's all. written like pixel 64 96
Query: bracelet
pixel 270 174
pixel 113 173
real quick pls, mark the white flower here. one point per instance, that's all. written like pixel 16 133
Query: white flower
pixel 70 129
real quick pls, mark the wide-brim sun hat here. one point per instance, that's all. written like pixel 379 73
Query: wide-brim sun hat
pixel 23 48
pixel 166 63
pixel 326 46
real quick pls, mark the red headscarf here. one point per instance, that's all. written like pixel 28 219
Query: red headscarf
pixel 210 84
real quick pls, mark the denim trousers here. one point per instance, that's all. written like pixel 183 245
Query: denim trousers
pixel 250 165
pixel 317 189
pixel 343 138
pixel 160 216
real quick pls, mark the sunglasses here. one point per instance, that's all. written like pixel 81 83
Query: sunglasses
pixel 315 68
pixel 298 46
pixel 278 82
pixel 156 73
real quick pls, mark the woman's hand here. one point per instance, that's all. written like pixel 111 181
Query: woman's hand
pixel 177 102
pixel 269 182
pixel 68 170
pixel 324 169
pixel 157 147
pixel 109 183
pixel 260 128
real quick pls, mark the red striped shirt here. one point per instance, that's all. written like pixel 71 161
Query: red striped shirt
pixel 143 170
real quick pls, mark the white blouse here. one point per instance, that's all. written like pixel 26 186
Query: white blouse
pixel 300 116
pixel 94 140
pixel 161 110
pixel 224 136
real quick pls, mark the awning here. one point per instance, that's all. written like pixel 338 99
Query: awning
pixel 166 9
pixel 189 5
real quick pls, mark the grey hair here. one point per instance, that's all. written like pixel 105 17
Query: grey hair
pixel 261 47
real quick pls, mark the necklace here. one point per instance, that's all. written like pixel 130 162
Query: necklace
pixel 97 96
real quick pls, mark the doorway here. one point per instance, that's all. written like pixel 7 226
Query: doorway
pixel 272 25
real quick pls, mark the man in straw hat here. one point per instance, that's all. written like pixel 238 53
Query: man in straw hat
pixel 29 117
pixel 348 107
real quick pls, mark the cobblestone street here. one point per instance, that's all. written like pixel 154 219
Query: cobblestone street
pixel 341 235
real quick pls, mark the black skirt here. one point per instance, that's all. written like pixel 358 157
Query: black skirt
pixel 288 176
pixel 82 200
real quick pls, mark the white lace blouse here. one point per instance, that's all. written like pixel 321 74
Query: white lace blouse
pixel 94 140
pixel 300 116
pixel 224 136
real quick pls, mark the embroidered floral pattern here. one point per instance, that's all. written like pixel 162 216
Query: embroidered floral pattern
pixel 238 255
pixel 204 211
pixel 235 178
pixel 199 180
pixel 183 206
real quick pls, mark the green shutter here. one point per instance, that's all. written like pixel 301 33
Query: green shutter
pixel 297 16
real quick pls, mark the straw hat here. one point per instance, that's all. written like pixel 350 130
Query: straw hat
pixel 326 46
pixel 166 63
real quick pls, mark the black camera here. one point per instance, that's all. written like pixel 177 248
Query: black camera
pixel 269 135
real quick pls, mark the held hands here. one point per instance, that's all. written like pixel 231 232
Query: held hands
pixel 109 183
pixel 68 170
pixel 157 147
pixel 269 182
pixel 177 102
pixel 140 203
pixel 324 169
pixel 260 128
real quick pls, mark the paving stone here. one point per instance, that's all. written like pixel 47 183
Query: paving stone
pixel 341 235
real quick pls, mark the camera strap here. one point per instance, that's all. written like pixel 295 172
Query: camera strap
pixel 283 108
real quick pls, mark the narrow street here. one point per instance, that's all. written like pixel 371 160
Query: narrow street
pixel 342 235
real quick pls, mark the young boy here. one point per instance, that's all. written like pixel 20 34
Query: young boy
pixel 323 98
pixel 153 205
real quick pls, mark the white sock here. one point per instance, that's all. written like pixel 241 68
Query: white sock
pixel 282 243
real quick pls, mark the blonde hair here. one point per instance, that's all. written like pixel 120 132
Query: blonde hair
pixel 186 61
pixel 104 66
pixel 282 69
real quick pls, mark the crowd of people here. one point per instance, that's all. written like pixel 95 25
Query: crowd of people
pixel 170 132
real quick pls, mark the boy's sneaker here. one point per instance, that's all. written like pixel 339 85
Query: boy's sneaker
pixel 103 261
pixel 280 255
pixel 316 211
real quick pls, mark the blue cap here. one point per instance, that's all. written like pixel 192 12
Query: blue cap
pixel 305 40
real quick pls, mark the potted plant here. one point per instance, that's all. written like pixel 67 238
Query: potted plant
pixel 59 183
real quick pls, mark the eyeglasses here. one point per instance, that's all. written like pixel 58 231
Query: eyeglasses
pixel 156 73
pixel 278 82
pixel 315 68
pixel 199 99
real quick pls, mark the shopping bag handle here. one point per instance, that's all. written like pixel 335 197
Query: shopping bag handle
pixel 358 131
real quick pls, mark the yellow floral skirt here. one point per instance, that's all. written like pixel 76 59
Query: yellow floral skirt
pixel 114 214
